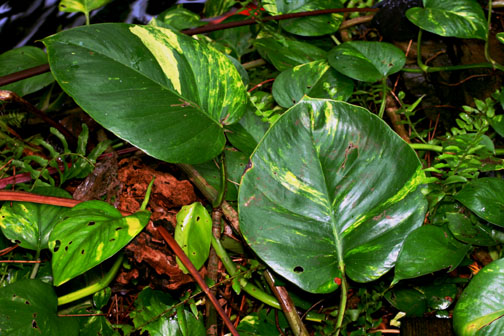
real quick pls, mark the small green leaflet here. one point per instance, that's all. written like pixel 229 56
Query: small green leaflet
pixel 92 232
pixel 83 6
pixel 193 233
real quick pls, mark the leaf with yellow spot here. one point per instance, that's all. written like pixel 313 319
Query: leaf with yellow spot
pixel 331 189
pixel 90 233
pixel 454 18
pixel 31 224
pixel 166 93
pixel 480 308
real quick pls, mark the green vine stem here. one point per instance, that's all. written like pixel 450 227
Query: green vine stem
pixel 36 267
pixel 343 300
pixel 421 146
pixel 423 68
pixel 91 289
pixel 249 288
pixel 384 97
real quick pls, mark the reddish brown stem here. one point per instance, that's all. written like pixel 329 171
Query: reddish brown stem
pixel 20 261
pixel 194 272
pixel 17 76
pixel 9 96
pixel 220 26
pixel 8 249
pixel 22 196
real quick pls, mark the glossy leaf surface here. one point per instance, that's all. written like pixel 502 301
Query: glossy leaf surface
pixel 316 79
pixel 307 26
pixel 31 223
pixel 428 249
pixel 92 232
pixel 193 233
pixel 287 53
pixel 330 185
pixel 164 92
pixel 151 315
pixel 367 61
pixel 480 308
pixel 21 59
pixel 29 307
pixel 469 231
pixel 455 18
pixel 485 198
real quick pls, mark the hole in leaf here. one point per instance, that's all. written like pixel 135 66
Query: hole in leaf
pixel 118 228
pixel 66 248
pixel 91 223
pixel 197 218
pixel 14 296
pixel 194 253
pixel 112 239
pixel 70 242
pixel 27 302
pixel 308 87
pixel 298 269
pixel 17 241
pixel 82 252
pixel 34 324
pixel 57 245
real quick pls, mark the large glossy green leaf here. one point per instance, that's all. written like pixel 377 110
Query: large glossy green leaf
pixel 151 315
pixel 316 79
pixel 307 26
pixel 288 53
pixel 428 249
pixel 31 224
pixel 456 18
pixel 367 61
pixel 193 233
pixel 92 232
pixel 469 230
pixel 29 307
pixel 480 308
pixel 21 59
pixel 164 92
pixel 331 186
pixel 485 198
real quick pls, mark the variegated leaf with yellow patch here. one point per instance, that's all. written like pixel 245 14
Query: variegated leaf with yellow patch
pixel 166 93
pixel 332 192
pixel 92 232
pixel 30 224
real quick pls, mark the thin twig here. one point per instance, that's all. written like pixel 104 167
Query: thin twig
pixel 220 26
pixel 194 272
pixel 23 74
pixel 213 272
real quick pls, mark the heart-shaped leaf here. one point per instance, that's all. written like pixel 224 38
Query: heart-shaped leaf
pixel 367 61
pixel 31 223
pixel 29 307
pixel 92 232
pixel 21 59
pixel 485 198
pixel 480 308
pixel 288 53
pixel 428 249
pixel 307 26
pixel 331 188
pixel 316 79
pixel 455 18
pixel 164 92
pixel 193 233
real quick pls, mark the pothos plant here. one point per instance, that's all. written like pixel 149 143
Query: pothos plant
pixel 331 192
